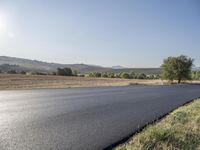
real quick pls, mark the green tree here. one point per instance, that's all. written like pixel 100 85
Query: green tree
pixel 23 72
pixel 141 76
pixel 54 73
pixel 105 75
pixel 133 75
pixel 196 75
pixel 97 74
pixel 64 72
pixel 75 72
pixel 94 74
pixel 12 72
pixel 111 75
pixel 177 68
pixel 125 75
pixel 91 74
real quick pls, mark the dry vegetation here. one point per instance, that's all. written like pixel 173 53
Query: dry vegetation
pixel 39 81
pixel 17 81
pixel 180 130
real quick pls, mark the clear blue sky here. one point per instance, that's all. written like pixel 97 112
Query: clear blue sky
pixel 131 33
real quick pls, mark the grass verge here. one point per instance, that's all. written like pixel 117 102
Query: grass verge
pixel 180 130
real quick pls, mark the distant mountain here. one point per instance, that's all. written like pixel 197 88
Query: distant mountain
pixel 21 64
pixel 196 69
pixel 118 67
pixel 35 65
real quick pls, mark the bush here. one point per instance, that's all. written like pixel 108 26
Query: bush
pixel 64 72
pixel 105 75
pixel 53 73
pixel 125 75
pixel 95 74
pixel 75 72
pixel 142 76
pixel 111 75
pixel 12 72
pixel 196 75
pixel 23 72
pixel 39 73
pixel 133 75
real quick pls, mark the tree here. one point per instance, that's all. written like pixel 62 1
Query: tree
pixel 75 72
pixel 125 75
pixel 12 72
pixel 68 71
pixel 177 68
pixel 23 72
pixel 97 74
pixel 94 74
pixel 105 75
pixel 142 76
pixel 196 75
pixel 64 72
pixel 111 75
pixel 91 74
pixel 132 75
pixel 54 73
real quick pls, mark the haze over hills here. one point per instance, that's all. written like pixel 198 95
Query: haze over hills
pixel 196 68
pixel 20 64
pixel 35 65
pixel 118 67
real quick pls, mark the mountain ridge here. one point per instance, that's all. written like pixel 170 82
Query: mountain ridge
pixel 36 65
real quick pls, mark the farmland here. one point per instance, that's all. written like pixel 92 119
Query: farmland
pixel 18 81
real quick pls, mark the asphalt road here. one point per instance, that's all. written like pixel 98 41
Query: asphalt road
pixel 83 118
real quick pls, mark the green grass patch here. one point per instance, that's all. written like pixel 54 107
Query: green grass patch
pixel 180 130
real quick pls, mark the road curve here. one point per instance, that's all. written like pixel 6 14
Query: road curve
pixel 83 118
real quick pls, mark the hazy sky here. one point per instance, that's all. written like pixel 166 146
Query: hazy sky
pixel 131 33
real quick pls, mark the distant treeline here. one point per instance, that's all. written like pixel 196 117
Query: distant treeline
pixel 196 75
pixel 69 72
pixel 15 69
pixel 10 69
pixel 124 75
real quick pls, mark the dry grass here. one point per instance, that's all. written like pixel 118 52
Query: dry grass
pixel 8 82
pixel 180 130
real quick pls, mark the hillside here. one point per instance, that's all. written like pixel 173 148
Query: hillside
pixel 20 64
pixel 35 65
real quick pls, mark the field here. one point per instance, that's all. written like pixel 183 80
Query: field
pixel 180 130
pixel 15 81
pixel 8 82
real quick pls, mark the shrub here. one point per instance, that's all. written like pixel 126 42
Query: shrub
pixel 12 72
pixel 142 76
pixel 64 72
pixel 111 75
pixel 94 74
pixel 125 75
pixel 23 72
pixel 105 75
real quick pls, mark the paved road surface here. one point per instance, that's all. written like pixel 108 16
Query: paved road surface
pixel 85 118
